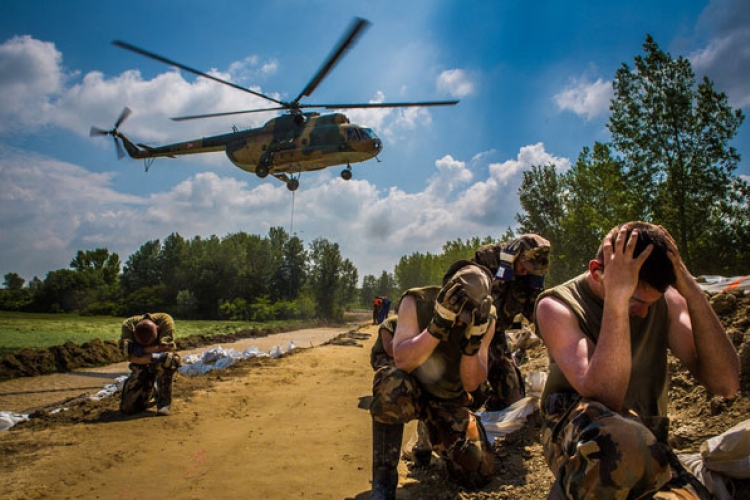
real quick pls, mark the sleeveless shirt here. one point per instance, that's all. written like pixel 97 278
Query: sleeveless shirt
pixel 649 379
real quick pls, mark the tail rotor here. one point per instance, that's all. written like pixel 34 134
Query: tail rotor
pixel 96 132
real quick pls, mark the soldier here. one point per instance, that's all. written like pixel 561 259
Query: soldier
pixel 519 267
pixel 607 332
pixel 440 354
pixel 147 342
pixel 381 356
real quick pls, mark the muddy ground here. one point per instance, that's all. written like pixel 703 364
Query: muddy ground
pixel 297 427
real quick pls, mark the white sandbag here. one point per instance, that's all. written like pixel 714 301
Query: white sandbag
pixel 501 423
pixel 275 352
pixel 713 481
pixel 535 383
pixel 252 352
pixel 9 418
pixel 729 452
pixel 224 363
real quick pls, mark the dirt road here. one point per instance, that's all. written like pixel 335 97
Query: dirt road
pixel 284 428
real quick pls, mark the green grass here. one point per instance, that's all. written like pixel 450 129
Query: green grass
pixel 36 331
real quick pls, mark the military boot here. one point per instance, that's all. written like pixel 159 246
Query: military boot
pixel 164 394
pixel 386 451
pixel 422 450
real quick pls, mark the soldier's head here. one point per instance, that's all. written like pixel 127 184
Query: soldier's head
pixel 657 271
pixel 533 255
pixel 475 280
pixel 145 332
pixel 526 256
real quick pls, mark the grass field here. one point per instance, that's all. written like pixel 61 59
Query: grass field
pixel 35 331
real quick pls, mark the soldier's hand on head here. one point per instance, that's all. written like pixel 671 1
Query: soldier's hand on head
pixel 448 305
pixel 478 321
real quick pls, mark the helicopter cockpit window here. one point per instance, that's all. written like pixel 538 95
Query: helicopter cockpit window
pixel 351 134
pixel 367 133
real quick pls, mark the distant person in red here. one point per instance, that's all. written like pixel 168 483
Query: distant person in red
pixel 377 304
pixel 147 341
pixel 385 308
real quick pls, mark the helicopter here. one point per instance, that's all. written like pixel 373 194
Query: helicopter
pixel 294 142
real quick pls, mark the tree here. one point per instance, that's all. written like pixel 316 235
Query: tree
pixel 674 139
pixel 669 162
pixel 13 281
pixel 332 280
pixel 542 195
pixel 142 268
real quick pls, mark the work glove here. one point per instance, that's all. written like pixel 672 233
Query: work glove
pixel 449 303
pixel 166 360
pixel 477 319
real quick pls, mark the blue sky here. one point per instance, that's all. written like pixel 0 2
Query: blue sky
pixel 534 81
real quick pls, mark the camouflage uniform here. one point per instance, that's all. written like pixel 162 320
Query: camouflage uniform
pixel 595 452
pixel 513 295
pixel 139 387
pixel 455 432
pixel 378 355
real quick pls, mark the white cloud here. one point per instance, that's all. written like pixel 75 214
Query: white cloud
pixel 50 209
pixel 726 58
pixel 585 98
pixel 455 82
pixel 30 77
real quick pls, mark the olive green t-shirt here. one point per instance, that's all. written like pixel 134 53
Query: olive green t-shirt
pixel 649 379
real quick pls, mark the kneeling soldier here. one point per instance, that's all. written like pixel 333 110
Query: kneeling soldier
pixel 147 342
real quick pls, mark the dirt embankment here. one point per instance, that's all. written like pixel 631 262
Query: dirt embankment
pixel 69 356
pixel 297 427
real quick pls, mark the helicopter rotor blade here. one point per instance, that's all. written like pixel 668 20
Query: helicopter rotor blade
pixel 96 131
pixel 385 105
pixel 123 116
pixel 226 113
pixel 356 29
pixel 157 57
pixel 118 147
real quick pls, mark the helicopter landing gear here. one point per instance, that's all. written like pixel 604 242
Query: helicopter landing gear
pixel 346 174
pixel 264 165
pixel 261 171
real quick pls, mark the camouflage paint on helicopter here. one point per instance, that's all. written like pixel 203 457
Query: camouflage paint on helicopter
pixel 317 143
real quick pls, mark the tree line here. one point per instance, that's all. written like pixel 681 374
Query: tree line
pixel 240 276
pixel 669 161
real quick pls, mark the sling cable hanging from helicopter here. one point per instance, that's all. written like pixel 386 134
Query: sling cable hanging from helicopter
pixel 291 224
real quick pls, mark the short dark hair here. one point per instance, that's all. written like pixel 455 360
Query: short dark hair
pixel 145 332
pixel 657 271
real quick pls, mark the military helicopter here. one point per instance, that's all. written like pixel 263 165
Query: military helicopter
pixel 285 146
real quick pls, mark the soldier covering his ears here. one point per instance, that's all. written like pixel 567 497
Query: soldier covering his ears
pixel 440 354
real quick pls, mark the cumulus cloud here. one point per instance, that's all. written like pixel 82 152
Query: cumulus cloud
pixel 50 209
pixel 585 98
pixel 726 58
pixel 31 76
pixel 455 82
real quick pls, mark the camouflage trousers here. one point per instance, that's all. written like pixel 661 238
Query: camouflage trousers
pixel 505 382
pixel 144 380
pixel 596 453
pixel 455 432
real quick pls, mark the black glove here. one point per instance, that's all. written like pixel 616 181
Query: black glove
pixel 478 322
pixel 448 305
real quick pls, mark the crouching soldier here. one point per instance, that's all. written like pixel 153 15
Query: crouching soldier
pixel 440 353
pixel 147 342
